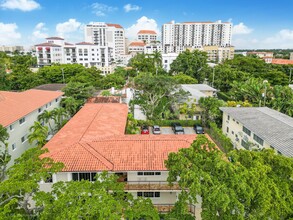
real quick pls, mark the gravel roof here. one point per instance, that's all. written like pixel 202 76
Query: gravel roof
pixel 272 126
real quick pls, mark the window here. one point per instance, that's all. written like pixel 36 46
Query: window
pixel 13 146
pixel 247 131
pixel 11 127
pixel 23 138
pixel 157 173
pixel 227 129
pixel 258 139
pixel 40 110
pixel 83 176
pixel 228 117
pixel 56 100
pixel 21 121
pixel 49 179
pixel 148 173
pixel 139 173
pixel 149 194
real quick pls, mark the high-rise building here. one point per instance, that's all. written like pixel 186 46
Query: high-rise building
pixel 147 36
pixel 103 34
pixel 176 37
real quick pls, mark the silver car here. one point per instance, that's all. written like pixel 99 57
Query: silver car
pixel 156 129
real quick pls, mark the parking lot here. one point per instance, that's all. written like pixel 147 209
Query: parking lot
pixel 168 130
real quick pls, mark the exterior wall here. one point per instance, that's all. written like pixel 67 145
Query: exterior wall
pixel 135 49
pixel 165 197
pixel 234 130
pixel 167 59
pixel 148 38
pixel 133 176
pixel 151 48
pixel 22 130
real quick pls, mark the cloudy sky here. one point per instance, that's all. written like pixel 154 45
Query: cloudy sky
pixel 256 23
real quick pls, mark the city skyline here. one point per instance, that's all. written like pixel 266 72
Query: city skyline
pixel 255 24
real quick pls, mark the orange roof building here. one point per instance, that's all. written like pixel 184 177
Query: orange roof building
pixel 147 36
pixel 282 61
pixel 19 111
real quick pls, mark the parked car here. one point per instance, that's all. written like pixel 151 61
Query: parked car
pixel 144 129
pixel 198 129
pixel 156 129
pixel 177 128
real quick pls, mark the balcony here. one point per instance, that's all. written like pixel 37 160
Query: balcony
pixel 150 185
pixel 165 208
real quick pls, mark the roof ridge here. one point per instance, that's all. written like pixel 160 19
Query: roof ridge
pixel 98 155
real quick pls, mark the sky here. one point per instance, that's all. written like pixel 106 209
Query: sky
pixel 257 24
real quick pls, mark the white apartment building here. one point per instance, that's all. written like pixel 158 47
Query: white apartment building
pixel 19 111
pixel 4 48
pixel 56 50
pixel 147 36
pixel 219 54
pixel 136 47
pixel 176 37
pixel 152 48
pixel 138 160
pixel 258 128
pixel 167 59
pixel 106 35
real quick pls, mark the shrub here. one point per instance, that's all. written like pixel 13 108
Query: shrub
pixel 163 123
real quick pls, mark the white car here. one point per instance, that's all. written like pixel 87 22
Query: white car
pixel 156 129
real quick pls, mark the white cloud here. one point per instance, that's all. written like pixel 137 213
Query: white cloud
pixel 23 5
pixel 9 34
pixel 241 28
pixel 282 39
pixel 67 27
pixel 129 7
pixel 40 31
pixel 101 9
pixel 143 23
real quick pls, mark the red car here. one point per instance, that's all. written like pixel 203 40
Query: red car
pixel 145 129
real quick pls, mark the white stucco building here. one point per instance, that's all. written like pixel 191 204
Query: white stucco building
pixel 167 60
pixel 176 37
pixel 106 35
pixel 147 36
pixel 258 128
pixel 89 148
pixel 19 111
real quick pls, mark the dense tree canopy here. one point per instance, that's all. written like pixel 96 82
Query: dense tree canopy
pixel 241 185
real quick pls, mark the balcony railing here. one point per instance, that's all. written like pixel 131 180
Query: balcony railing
pixel 150 185
pixel 165 208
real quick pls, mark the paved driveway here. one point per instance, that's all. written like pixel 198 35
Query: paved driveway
pixel 168 130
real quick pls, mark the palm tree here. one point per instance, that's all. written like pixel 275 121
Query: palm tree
pixel 60 115
pixel 157 59
pixel 39 134
pixel 46 117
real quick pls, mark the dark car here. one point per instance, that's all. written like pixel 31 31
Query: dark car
pixel 177 128
pixel 198 129
pixel 144 129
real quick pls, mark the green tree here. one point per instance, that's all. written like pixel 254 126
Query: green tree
pixel 79 91
pixel 71 105
pixel 210 110
pixel 142 63
pixel 4 155
pixel 39 133
pixel 240 185
pixel 113 80
pixel 103 198
pixel 185 79
pixel 60 117
pixel 154 91
pixel 193 64
pixel 46 117
pixel 22 184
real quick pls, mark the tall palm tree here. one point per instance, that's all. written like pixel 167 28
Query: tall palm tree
pixel 46 117
pixel 157 59
pixel 60 115
pixel 39 134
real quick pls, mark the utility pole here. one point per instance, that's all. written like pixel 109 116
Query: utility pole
pixel 63 75
pixel 290 75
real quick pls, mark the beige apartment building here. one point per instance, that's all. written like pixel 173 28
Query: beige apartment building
pixel 255 128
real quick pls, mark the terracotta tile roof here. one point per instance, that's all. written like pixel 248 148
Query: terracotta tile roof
pixel 84 43
pixel 47 45
pixel 282 61
pixel 114 25
pixel 15 105
pixel 137 44
pixel 68 44
pixel 146 32
pixel 94 140
pixel 54 38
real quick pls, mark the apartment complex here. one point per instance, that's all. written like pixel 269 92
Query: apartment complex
pixel 219 54
pixel 136 47
pixel 56 50
pixel 258 128
pixel 147 36
pixel 177 37
pixel 94 141
pixel 11 48
pixel 19 111
pixel 106 35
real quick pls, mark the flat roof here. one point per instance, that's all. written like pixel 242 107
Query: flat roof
pixel 16 105
pixel 94 140
pixel 272 126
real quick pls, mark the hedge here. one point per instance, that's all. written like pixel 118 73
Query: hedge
pixel 218 136
pixel 167 123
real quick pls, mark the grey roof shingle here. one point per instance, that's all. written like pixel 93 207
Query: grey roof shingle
pixel 272 126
